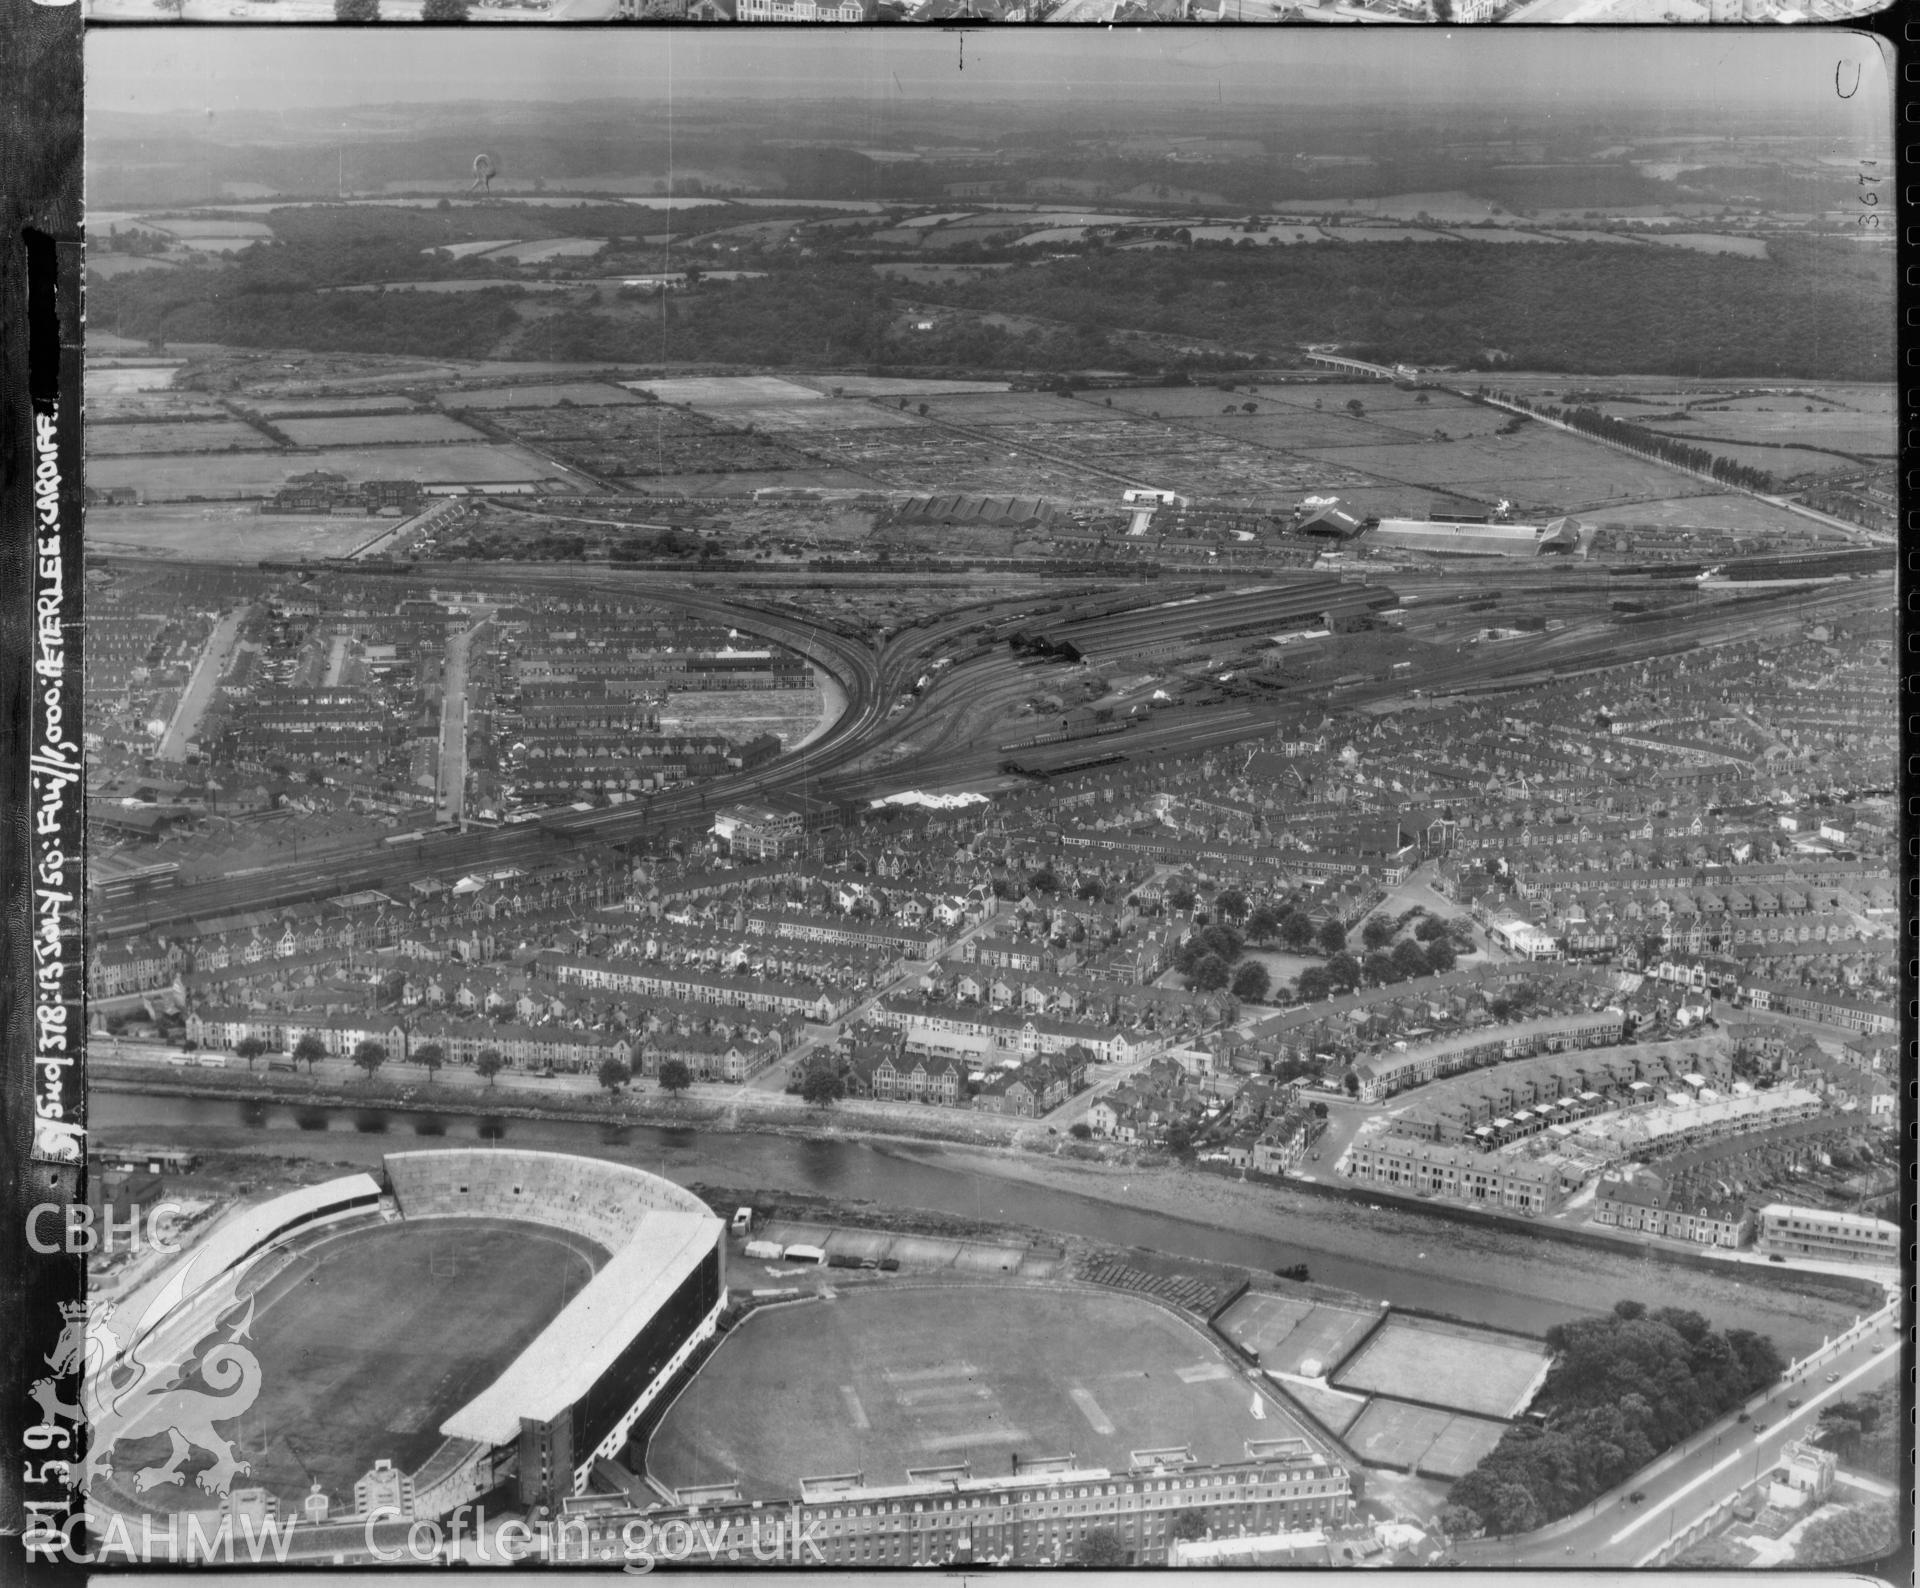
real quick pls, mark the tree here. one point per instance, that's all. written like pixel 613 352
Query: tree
pixel 1180 1140
pixel 1409 959
pixel 1378 932
pixel 1379 969
pixel 1251 982
pixel 1345 971
pixel 1189 1524
pixel 675 1076
pixel 1102 1548
pixel 1210 973
pixel 1333 937
pixel 309 1050
pixel 489 1063
pixel 369 1055
pixel 822 1087
pixel 1355 407
pixel 1231 903
pixel 1457 1521
pixel 1263 925
pixel 444 11
pixel 1296 931
pixel 430 1056
pixel 615 1073
pixel 356 10
pixel 250 1048
pixel 1080 1130
pixel 1180 897
pixel 1313 984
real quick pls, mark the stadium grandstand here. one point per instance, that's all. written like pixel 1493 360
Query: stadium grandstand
pixel 572 1397
pixel 596 1358
pixel 1446 537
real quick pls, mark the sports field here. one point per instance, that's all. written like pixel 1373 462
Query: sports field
pixel 367 1343
pixel 885 1381
pixel 1420 1439
pixel 263 473
pixel 1293 1332
pixel 1449 1365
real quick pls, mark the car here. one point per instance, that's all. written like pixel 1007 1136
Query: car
pixel 1743 1418
pixel 1759 1428
pixel 1636 1497
pixel 1833 1378
pixel 1794 1404
pixel 1776 1258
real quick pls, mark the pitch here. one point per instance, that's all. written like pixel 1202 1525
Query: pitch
pixel 1449 1365
pixel 367 1343
pixel 891 1380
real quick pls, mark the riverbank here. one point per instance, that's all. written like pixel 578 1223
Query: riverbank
pixel 741 1109
pixel 1504 1277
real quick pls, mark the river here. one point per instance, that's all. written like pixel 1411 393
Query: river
pixel 1494 1275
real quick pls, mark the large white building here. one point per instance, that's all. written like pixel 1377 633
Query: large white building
pixel 1828 1236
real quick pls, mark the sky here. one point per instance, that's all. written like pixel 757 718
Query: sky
pixel 1487 71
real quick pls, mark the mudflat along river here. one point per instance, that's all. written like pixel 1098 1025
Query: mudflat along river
pixel 1479 1272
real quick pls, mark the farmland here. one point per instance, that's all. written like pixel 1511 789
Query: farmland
pixel 212 435
pixel 579 393
pixel 382 431
pixel 173 479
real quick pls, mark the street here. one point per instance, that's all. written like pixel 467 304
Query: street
pixel 201 683
pixel 1684 1486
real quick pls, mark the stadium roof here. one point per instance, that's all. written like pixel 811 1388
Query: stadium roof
pixel 233 1238
pixel 571 1353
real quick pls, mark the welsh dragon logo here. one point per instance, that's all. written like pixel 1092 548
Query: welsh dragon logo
pixel 123 1397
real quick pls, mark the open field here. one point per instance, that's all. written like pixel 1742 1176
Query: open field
pixel 292 407
pixel 1014 408
pixel 550 248
pixel 581 393
pixel 1550 472
pixel 145 440
pixel 1872 434
pixel 742 713
pixel 1712 243
pixel 1417 1438
pixel 112 379
pixel 368 1343
pixel 707 390
pixel 903 386
pixel 1292 1331
pixel 106 266
pixel 1706 512
pixel 1448 1365
pixel 881 1381
pixel 261 474
pixel 220 532
pixel 355 431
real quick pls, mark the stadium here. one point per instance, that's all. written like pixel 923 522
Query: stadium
pixel 474 1318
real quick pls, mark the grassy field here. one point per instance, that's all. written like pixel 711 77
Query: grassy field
pixel 366 1345
pixel 702 390
pixel 903 386
pixel 830 415
pixel 141 440
pixel 581 393
pixel 293 407
pixel 1290 1331
pixel 1418 1438
pixel 1705 512
pixel 220 532
pixel 370 430
pixel 884 1381
pixel 1448 1365
pixel 261 474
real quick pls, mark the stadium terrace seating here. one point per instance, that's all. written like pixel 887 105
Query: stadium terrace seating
pixel 604 1202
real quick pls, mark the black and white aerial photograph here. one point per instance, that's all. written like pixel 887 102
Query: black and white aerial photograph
pixel 982 800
